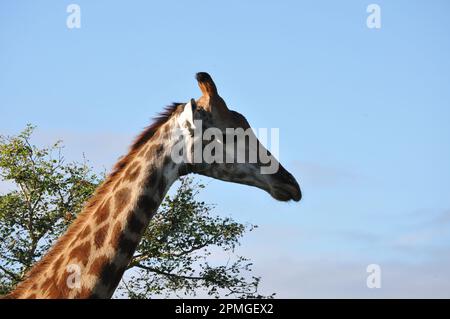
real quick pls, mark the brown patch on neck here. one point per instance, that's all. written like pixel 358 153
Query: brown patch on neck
pixel 83 294
pixel 81 253
pixel 117 230
pixel 86 231
pixel 103 212
pixel 98 265
pixel 121 199
pixel 100 236
pixel 133 172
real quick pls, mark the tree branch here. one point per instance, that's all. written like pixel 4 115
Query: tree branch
pixel 168 274
pixel 10 273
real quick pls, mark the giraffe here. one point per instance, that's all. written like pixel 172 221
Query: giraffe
pixel 89 260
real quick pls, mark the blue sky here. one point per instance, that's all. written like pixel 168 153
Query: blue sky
pixel 363 117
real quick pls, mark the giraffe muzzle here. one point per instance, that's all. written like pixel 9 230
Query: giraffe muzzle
pixel 285 187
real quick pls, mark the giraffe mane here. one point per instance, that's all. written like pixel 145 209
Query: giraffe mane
pixel 159 120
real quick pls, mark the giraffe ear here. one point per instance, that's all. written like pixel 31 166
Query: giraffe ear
pixel 210 99
pixel 186 118
pixel 206 84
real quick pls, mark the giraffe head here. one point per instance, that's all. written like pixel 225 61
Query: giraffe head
pixel 228 148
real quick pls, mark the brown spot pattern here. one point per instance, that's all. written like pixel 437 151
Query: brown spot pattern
pixel 132 175
pixel 100 236
pixel 98 265
pixel 81 253
pixel 57 263
pixel 54 293
pixel 121 200
pixel 83 294
pixel 103 212
pixel 116 234
pixel 86 231
pixel 46 285
pixel 155 150
pixel 64 289
pixel 142 151
pixel 131 167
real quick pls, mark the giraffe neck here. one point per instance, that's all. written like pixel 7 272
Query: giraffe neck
pixel 135 203
pixel 89 260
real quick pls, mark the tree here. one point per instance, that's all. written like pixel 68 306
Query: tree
pixel 172 258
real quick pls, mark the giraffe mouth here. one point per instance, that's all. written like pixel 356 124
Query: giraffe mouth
pixel 287 192
pixel 284 186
